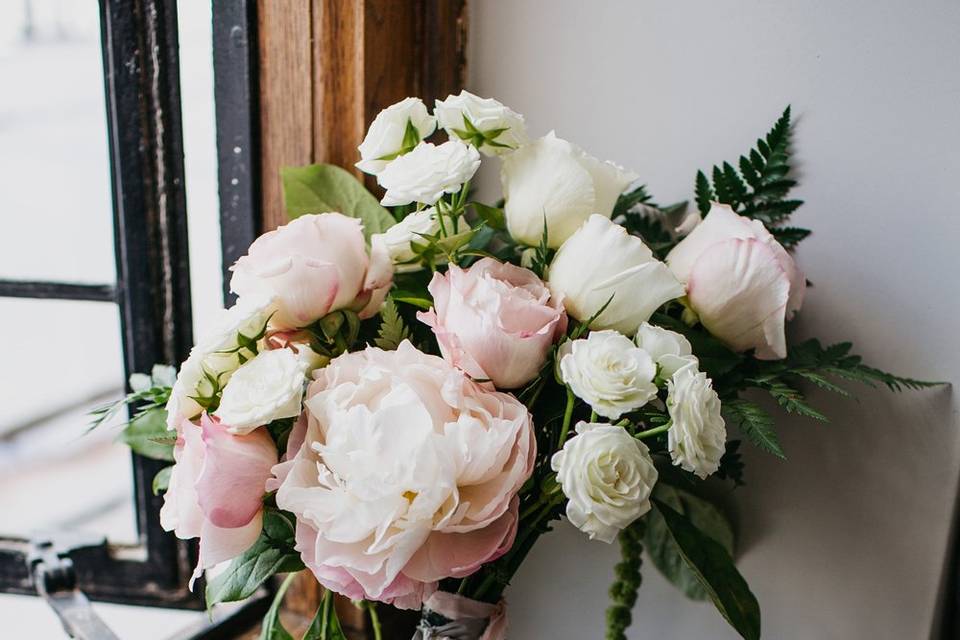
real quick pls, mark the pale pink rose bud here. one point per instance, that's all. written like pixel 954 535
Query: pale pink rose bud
pixel 495 321
pixel 316 264
pixel 216 488
pixel 741 282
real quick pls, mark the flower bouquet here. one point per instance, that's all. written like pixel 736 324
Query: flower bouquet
pixel 411 389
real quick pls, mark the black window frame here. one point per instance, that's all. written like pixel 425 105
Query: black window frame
pixel 140 49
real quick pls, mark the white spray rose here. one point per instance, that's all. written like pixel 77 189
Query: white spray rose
pixel 602 260
pixel 551 179
pixel 386 136
pixel 697 435
pixel 397 238
pixel 608 372
pixel 428 172
pixel 607 476
pixel 484 122
pixel 669 349
pixel 217 355
pixel 267 388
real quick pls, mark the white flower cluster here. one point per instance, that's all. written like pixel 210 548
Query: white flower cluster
pixel 607 474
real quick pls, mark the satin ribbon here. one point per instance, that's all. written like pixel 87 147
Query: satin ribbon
pixel 449 616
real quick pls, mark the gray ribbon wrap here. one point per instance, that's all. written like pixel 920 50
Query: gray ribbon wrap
pixel 432 627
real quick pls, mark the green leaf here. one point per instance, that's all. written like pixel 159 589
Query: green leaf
pixel 493 216
pixel 162 480
pixel 789 237
pixel 272 553
pixel 272 628
pixel 319 188
pixel 663 549
pixel 713 567
pixel 791 399
pixel 393 330
pixel 325 624
pixel 703 192
pixel 754 423
pixel 143 431
pixel 630 199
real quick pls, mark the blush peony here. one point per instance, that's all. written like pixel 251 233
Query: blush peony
pixel 495 321
pixel 408 473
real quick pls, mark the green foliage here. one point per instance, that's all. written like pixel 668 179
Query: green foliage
pixel 754 423
pixel 161 480
pixel 663 549
pixel 731 464
pixel 759 189
pixel 716 359
pixel 272 553
pixel 393 330
pixel 325 624
pixel 541 256
pixel 494 217
pixel 811 362
pixel 319 188
pixel 149 392
pixel 471 135
pixel 147 435
pixel 642 217
pixel 623 591
pixel 272 627
pixel 713 567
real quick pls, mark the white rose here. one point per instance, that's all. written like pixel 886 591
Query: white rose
pixel 602 260
pixel 385 137
pixel 552 179
pixel 669 349
pixel 217 355
pixel 607 476
pixel 267 388
pixel 428 172
pixel 397 238
pixel 488 124
pixel 698 433
pixel 608 372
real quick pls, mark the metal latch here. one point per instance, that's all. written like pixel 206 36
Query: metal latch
pixel 56 581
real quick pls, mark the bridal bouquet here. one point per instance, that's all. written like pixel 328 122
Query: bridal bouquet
pixel 411 389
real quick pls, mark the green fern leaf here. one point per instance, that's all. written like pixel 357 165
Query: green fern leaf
pixel 393 330
pixel 704 193
pixel 754 423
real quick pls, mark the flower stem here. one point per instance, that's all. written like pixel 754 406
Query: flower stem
pixel 567 417
pixel 653 432
pixel 374 620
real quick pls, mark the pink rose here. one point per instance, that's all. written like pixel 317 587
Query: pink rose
pixel 216 489
pixel 495 321
pixel 314 265
pixel 408 473
pixel 741 282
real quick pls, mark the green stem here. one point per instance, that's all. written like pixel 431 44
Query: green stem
pixel 374 620
pixel 567 417
pixel 655 431
pixel 593 416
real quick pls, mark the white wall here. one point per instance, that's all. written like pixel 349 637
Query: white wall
pixel 846 539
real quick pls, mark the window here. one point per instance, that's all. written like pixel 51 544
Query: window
pixel 135 309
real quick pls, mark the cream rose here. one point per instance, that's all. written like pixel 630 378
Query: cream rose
pixel 608 372
pixel 267 388
pixel 216 356
pixel 484 122
pixel 743 285
pixel 551 180
pixel 601 262
pixel 697 434
pixel 669 349
pixel 387 133
pixel 312 266
pixel 408 473
pixel 398 238
pixel 428 172
pixel 607 476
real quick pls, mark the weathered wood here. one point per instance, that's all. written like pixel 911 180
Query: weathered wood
pixel 327 67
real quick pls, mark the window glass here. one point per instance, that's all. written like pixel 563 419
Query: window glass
pixel 55 203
